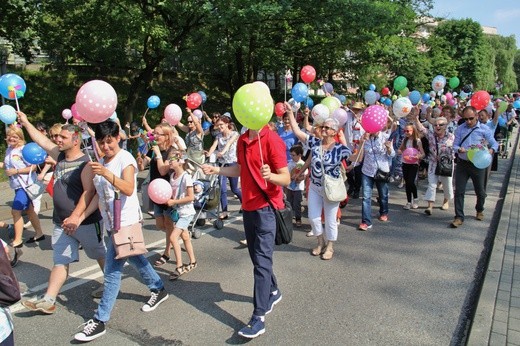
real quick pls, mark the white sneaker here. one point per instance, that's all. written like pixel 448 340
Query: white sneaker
pixel 407 206
pixel 415 206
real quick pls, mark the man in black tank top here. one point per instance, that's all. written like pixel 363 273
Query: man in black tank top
pixel 76 216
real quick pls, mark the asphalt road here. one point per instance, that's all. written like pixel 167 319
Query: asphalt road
pixel 405 282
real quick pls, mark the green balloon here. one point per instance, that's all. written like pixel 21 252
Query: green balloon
pixel 502 106
pixel 471 153
pixel 400 83
pixel 253 106
pixel 405 91
pixel 454 82
pixel 331 102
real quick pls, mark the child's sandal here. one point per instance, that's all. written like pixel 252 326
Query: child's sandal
pixel 162 261
pixel 177 273
pixel 189 267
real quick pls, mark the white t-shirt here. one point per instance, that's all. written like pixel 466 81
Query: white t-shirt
pixel 130 208
pixel 294 185
pixel 187 181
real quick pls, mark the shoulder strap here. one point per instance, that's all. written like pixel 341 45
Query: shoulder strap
pixel 263 192
pixel 466 137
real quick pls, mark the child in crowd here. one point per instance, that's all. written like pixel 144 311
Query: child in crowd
pixel 295 189
pixel 181 212
pixel 411 140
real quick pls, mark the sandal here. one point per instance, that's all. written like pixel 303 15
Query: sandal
pixel 317 250
pixel 161 261
pixel 189 267
pixel 177 273
pixel 327 255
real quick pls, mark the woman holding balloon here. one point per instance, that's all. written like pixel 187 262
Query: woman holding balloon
pixel 157 158
pixel 326 157
pixel 412 150
pixel 194 139
pixel 21 173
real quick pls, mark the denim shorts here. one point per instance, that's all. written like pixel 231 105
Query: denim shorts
pixel 21 200
pixel 160 210
pixel 66 247
pixel 184 222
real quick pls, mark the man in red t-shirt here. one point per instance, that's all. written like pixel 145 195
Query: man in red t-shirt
pixel 262 166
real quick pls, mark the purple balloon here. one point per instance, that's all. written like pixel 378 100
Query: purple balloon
pixel 328 88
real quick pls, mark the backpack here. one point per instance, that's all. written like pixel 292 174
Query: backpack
pixel 9 287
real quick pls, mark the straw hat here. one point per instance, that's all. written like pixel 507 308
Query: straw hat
pixel 358 105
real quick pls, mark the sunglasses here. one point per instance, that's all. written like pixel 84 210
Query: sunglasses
pixel 469 119
pixel 326 128
pixel 441 125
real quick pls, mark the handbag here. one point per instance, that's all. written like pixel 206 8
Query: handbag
pixel 174 213
pixel 380 175
pixel 33 190
pixel 284 216
pixel 9 287
pixel 444 166
pixel 128 240
pixel 334 188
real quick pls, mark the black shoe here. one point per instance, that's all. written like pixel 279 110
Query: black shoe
pixel 355 195
pixel 17 253
pixel 155 300
pixel 33 239
pixel 93 329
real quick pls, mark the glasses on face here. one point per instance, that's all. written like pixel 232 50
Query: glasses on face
pixel 175 157
pixel 440 125
pixel 326 128
pixel 469 119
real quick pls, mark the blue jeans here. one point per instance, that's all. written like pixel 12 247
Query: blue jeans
pixel 233 184
pixel 260 229
pixel 112 279
pixel 382 190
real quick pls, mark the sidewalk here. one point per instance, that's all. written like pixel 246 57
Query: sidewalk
pixel 497 318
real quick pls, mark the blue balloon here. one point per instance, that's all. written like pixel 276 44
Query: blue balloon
pixel 415 97
pixel 300 92
pixel 370 97
pixel 343 99
pixel 33 153
pixel 502 121
pixel 482 159
pixel 12 86
pixel 206 125
pixel 309 102
pixel 113 117
pixel 516 104
pixel 426 97
pixel 153 102
pixel 372 87
pixel 7 114
pixel 203 95
pixel 388 102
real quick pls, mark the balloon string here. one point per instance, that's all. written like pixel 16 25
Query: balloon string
pixel 144 116
pixel 261 154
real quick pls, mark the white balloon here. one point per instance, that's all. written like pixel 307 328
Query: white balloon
pixel 402 106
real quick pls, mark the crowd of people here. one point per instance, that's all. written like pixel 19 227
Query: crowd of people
pixel 89 168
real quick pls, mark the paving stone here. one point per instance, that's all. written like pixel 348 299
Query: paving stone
pixel 514 324
pixel 513 337
pixel 499 327
pixel 497 339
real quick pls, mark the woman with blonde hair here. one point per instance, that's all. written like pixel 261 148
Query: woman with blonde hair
pixel 157 158
pixel 20 173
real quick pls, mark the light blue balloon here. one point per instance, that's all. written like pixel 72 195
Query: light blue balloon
pixel 299 92
pixel 153 102
pixel 343 99
pixel 426 97
pixel 370 97
pixel 113 117
pixel 502 121
pixel 309 102
pixel 7 114
pixel 482 159
pixel 372 87
pixel 415 97
pixel 12 81
pixel 516 104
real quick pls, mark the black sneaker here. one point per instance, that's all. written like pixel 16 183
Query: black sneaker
pixel 155 300
pixel 92 329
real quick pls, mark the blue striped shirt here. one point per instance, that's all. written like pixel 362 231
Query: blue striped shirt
pixel 480 135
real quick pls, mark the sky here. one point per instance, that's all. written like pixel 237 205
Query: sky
pixel 502 14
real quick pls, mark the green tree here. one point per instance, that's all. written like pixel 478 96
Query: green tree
pixel 505 50
pixel 516 67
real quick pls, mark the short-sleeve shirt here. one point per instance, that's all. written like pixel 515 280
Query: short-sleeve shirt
pixel 14 159
pixel 230 156
pixel 154 170
pixel 187 181
pixel 330 162
pixel 250 158
pixel 68 188
pixel 376 155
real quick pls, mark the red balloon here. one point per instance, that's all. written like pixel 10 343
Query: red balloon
pixel 385 91
pixel 480 100
pixel 279 109
pixel 308 73
pixel 193 100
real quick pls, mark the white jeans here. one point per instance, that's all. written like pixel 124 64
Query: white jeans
pixel 447 186
pixel 315 204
